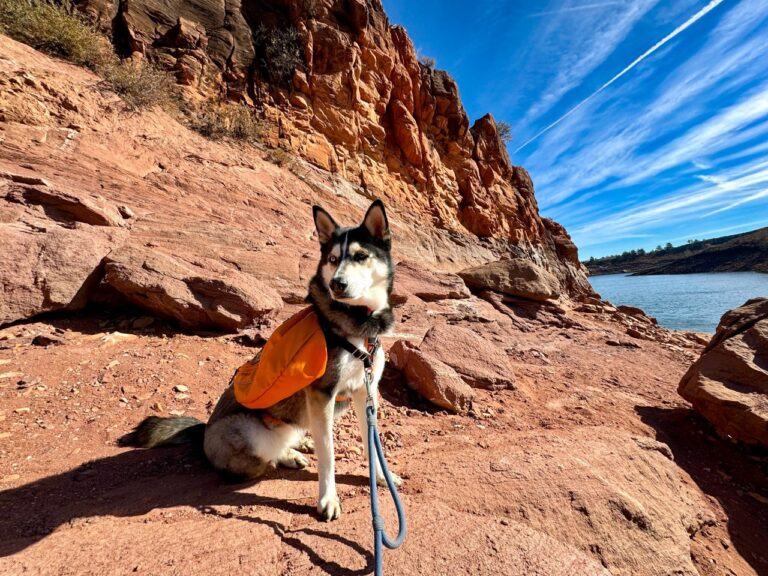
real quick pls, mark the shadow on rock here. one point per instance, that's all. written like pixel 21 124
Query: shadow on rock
pixel 734 474
pixel 286 536
pixel 136 482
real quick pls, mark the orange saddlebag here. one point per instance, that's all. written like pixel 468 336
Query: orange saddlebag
pixel 293 358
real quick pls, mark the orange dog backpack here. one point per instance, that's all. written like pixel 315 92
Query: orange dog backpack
pixel 293 357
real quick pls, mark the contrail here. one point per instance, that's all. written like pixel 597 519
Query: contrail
pixel 692 20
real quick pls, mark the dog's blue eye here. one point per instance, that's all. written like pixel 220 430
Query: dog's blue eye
pixel 332 259
pixel 360 257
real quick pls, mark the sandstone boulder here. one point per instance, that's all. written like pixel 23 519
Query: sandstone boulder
pixel 46 267
pixel 412 279
pixel 480 362
pixel 516 277
pixel 728 385
pixel 193 295
pixel 431 378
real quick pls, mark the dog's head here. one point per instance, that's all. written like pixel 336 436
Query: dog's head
pixel 355 263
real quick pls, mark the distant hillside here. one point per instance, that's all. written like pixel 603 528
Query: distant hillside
pixel 738 253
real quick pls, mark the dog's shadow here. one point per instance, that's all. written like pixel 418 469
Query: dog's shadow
pixel 136 482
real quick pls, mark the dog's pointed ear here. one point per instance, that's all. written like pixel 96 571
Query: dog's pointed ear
pixel 376 221
pixel 324 223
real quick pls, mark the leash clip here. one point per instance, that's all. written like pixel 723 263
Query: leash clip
pixel 368 379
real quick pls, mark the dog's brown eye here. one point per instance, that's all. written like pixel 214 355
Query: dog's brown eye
pixel 360 257
pixel 332 259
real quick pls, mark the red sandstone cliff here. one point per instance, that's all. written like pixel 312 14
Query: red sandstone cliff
pixel 344 88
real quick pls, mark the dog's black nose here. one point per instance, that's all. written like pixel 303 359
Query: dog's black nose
pixel 338 286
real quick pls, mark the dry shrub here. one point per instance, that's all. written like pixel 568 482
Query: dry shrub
pixel 60 30
pixel 141 85
pixel 281 158
pixel 216 120
pixel 52 29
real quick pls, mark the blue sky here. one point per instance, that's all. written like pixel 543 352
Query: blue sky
pixel 669 136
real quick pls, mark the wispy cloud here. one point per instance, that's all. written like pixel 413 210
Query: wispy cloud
pixel 578 8
pixel 677 31
pixel 584 44
pixel 681 144
pixel 713 194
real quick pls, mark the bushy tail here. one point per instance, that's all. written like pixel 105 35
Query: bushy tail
pixel 154 431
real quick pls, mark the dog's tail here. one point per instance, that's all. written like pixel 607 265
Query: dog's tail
pixel 154 431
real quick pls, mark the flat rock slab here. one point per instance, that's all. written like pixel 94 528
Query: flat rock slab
pixel 480 362
pixel 412 279
pixel 67 207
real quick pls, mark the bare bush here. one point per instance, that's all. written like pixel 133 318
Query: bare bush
pixel 504 130
pixel 59 30
pixel 229 120
pixel 428 62
pixel 52 29
pixel 281 158
pixel 282 52
pixel 140 85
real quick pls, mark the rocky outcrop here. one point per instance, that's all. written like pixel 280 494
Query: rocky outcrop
pixel 65 207
pixel 728 385
pixel 342 87
pixel 432 379
pixel 202 296
pixel 515 277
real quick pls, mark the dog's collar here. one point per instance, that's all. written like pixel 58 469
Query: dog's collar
pixel 366 356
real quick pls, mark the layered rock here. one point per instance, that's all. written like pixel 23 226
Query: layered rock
pixel 728 385
pixel 53 242
pixel 415 280
pixel 50 268
pixel 344 88
pixel 202 296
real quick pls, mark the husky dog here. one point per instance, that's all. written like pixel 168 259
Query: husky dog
pixel 350 295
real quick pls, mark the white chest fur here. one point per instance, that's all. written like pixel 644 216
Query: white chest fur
pixel 351 370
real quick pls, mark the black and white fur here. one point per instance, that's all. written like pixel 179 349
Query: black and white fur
pixel 350 294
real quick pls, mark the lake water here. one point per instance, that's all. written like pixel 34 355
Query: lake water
pixel 683 301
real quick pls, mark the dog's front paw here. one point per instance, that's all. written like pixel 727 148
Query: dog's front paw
pixel 329 508
pixel 381 481
pixel 306 445
pixel 293 459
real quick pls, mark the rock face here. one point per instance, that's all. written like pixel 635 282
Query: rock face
pixel 728 385
pixel 431 378
pixel 515 277
pixel 194 297
pixel 343 88
pixel 412 279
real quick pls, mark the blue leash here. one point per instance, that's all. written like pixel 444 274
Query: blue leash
pixel 375 451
